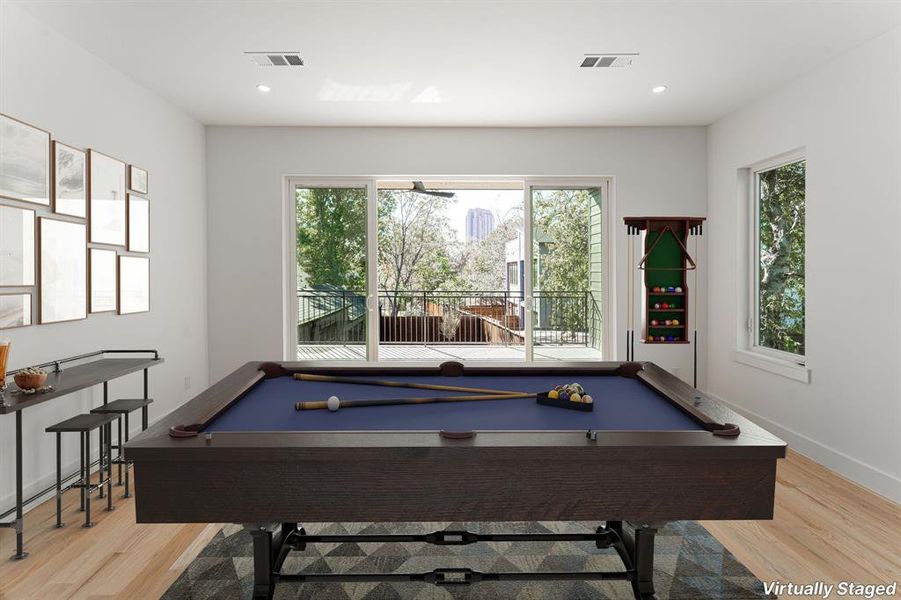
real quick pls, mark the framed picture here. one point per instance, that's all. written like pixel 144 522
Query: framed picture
pixel 103 280
pixel 15 310
pixel 137 180
pixel 107 199
pixel 16 246
pixel 24 161
pixel 138 224
pixel 69 180
pixel 134 284
pixel 63 268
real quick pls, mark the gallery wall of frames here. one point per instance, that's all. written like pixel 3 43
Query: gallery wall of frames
pixel 74 230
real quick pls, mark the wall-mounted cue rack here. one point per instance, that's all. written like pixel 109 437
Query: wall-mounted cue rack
pixel 665 260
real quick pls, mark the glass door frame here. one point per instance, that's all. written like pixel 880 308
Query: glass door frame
pixel 370 183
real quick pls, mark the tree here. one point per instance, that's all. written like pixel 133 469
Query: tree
pixel 483 264
pixel 414 245
pixel 781 258
pixel 331 237
pixel 563 217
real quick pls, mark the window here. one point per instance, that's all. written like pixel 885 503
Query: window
pixel 437 270
pixel 778 293
pixel 512 276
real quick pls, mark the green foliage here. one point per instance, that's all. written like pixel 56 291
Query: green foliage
pixel 331 237
pixel 484 263
pixel 414 247
pixel 781 258
pixel 563 217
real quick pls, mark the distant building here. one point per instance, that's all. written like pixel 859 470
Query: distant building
pixel 479 223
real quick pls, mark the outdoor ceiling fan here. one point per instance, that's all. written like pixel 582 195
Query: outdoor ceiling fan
pixel 420 188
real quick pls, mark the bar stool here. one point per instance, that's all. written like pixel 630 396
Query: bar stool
pixel 85 424
pixel 121 408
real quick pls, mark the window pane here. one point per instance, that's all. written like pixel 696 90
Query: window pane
pixel 448 286
pixel 780 260
pixel 331 273
pixel 566 273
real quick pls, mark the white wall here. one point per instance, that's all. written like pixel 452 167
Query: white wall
pixel 848 116
pixel 656 170
pixel 54 84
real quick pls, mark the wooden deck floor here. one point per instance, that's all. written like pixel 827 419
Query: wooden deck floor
pixel 441 352
pixel 825 528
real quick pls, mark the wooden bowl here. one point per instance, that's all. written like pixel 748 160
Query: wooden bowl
pixel 29 382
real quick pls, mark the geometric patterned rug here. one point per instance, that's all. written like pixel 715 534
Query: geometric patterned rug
pixel 689 564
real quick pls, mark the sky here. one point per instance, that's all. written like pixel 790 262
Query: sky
pixel 499 202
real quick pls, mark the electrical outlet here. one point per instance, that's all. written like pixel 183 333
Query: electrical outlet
pixel 187 383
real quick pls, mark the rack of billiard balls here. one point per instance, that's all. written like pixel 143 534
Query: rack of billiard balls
pixel 571 396
pixel 666 290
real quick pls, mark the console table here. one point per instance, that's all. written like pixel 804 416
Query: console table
pixel 94 368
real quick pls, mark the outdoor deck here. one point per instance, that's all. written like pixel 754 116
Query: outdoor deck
pixel 440 352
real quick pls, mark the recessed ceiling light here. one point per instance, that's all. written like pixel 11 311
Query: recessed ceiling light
pixel 658 89
pixel 263 88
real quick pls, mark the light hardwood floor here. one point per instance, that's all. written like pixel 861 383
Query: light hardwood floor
pixel 825 528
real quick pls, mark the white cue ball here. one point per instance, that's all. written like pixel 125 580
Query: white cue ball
pixel 333 403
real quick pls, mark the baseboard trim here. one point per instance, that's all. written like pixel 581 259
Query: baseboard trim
pixel 868 476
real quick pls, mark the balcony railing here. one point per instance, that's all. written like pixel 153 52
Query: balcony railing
pixel 335 316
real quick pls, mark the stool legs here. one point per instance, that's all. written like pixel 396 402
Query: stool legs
pixel 119 448
pixel 59 480
pixel 87 481
pixel 100 466
pixel 127 489
pixel 109 466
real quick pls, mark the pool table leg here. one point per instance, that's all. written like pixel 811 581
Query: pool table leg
pixel 643 557
pixel 269 552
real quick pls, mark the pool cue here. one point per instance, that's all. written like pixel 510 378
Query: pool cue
pixel 323 404
pixel 398 384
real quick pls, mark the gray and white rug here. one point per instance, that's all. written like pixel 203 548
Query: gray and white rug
pixel 688 564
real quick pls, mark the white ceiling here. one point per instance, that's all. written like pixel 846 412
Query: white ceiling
pixel 489 63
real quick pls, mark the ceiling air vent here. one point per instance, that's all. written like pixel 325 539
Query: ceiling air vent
pixel 275 59
pixel 607 60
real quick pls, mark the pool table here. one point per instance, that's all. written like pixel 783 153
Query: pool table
pixel 652 450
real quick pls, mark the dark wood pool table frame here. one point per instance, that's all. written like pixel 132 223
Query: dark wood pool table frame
pixel 645 478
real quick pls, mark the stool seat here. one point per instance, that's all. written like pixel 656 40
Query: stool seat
pixel 122 406
pixel 83 423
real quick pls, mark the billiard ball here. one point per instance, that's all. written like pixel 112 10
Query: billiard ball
pixel 564 396
pixel 679 290
pixel 587 399
pixel 553 394
pixel 579 389
pixel 657 305
pixel 675 321
pixel 654 323
pixel 575 398
pixel 656 289
pixel 670 338
pixel 665 305
pixel 670 289
pixel 333 403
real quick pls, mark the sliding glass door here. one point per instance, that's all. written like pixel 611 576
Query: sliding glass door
pixel 474 271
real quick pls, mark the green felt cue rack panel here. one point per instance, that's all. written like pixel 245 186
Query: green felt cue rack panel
pixel 665 262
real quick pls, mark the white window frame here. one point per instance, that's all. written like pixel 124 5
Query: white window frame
pixel 370 182
pixel 749 352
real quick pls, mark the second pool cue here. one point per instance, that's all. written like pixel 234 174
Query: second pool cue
pixel 323 404
pixel 399 384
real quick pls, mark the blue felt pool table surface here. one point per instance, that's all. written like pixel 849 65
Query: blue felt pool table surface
pixel 621 403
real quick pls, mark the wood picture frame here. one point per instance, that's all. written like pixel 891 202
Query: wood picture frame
pixel 107 203
pixel 70 180
pixel 138 180
pixel 62 271
pixel 134 284
pixel 17 246
pixel 138 224
pixel 15 310
pixel 24 161
pixel 104 280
